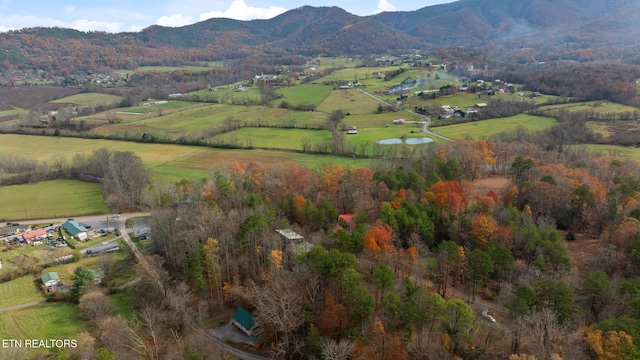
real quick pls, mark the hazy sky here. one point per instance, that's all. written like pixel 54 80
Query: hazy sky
pixel 127 15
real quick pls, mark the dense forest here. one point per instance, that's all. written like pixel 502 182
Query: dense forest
pixel 405 273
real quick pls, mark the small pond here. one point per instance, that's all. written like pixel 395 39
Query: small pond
pixel 389 141
pixel 416 141
pixel 410 141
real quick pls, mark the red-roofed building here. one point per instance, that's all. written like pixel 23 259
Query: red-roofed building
pixel 347 219
pixel 32 235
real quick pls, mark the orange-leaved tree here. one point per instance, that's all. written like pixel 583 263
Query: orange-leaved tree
pixel 378 238
pixel 483 228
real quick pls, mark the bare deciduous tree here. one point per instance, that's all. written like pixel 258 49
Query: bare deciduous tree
pixel 95 306
pixel 337 349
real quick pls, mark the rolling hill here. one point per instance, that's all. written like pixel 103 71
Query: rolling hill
pixel 609 28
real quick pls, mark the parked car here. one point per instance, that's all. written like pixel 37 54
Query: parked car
pixel 490 318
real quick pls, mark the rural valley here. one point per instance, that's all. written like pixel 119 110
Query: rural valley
pixel 457 182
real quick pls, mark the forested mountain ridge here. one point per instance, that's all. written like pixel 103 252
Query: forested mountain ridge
pixel 560 29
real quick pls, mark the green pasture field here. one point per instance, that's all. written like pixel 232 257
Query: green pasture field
pixel 360 74
pixel 485 128
pixel 174 105
pixel 461 100
pixel 22 290
pixel 276 138
pixel 14 111
pixel 595 106
pixel 349 101
pixel 194 119
pixel 139 110
pixel 168 163
pixel 335 62
pixel 52 198
pixel 632 153
pixel 46 321
pixel 381 120
pixel 227 95
pixel 89 99
pixel 370 136
pixel 305 94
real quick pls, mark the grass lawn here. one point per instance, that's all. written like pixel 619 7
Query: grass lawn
pixel 123 303
pixel 46 321
pixel 89 99
pixel 19 291
pixel 485 128
pixel 305 94
pixel 53 198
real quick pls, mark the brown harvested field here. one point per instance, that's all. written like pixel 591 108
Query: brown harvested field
pixel 34 96
pixel 498 184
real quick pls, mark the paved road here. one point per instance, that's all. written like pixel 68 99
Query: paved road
pixel 425 127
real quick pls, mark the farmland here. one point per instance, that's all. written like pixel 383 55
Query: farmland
pixel 167 162
pixel 88 99
pixel 51 199
pixel 484 129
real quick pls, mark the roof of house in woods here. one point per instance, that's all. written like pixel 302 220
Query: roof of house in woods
pixel 289 234
pixel 246 322
pixel 349 219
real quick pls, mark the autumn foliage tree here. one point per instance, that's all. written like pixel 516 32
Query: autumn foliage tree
pixel 483 228
pixel 609 345
pixel 378 239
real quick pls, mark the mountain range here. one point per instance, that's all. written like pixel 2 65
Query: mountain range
pixel 560 27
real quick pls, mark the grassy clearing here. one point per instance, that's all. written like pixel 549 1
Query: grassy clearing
pixel 275 138
pixel 123 304
pixel 230 95
pixel 46 321
pixel 380 120
pixel 22 290
pixel 51 199
pixel 360 74
pixel 195 119
pixel 349 101
pixel 600 107
pixel 14 111
pixel 89 99
pixel 305 94
pixel 336 62
pixel 484 129
pixel 632 153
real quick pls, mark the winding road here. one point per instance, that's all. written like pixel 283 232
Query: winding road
pixel 427 119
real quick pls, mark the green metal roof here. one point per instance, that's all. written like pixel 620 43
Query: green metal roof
pixel 244 318
pixel 50 276
pixel 73 227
